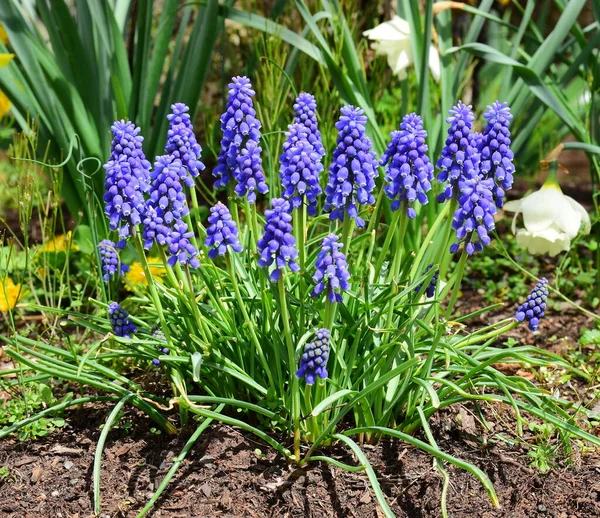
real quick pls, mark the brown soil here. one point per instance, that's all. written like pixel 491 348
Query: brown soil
pixel 224 475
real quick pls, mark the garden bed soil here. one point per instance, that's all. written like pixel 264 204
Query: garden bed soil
pixel 226 475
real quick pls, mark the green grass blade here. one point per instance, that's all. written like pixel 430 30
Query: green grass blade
pixel 362 458
pixel 112 417
pixel 436 452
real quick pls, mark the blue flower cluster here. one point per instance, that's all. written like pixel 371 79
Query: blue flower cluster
pixel 240 155
pixel 478 168
pixel 534 306
pixel 182 143
pixel 165 210
pixel 277 243
pixel 331 270
pixel 408 170
pixel 353 170
pixel 127 143
pixel 460 146
pixel 120 321
pixel 222 232
pixel 494 147
pixel 300 167
pixel 305 109
pixel 313 362
pixel 126 180
pixel 474 218
pixel 430 290
pixel 109 259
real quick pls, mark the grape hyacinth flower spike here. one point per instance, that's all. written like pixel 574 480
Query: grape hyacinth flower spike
pixel 109 259
pixel 300 167
pixel 408 170
pixel 534 306
pixel 126 180
pixel 222 232
pixel 494 147
pixel 305 109
pixel 278 244
pixel 182 143
pixel 331 270
pixel 430 290
pixel 240 155
pixel 474 218
pixel 165 210
pixel 313 362
pixel 120 321
pixel 460 145
pixel 353 169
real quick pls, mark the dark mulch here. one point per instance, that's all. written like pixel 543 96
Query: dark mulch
pixel 225 475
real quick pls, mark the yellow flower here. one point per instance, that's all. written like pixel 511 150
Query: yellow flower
pixel 136 275
pixel 5 59
pixel 3 35
pixel 59 243
pixel 10 294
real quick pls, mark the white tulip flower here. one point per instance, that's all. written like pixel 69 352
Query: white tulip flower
pixel 392 39
pixel 551 219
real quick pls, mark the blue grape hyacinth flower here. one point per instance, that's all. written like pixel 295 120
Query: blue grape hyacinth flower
pixel 305 109
pixel 222 232
pixel 474 218
pixel 430 290
pixel 331 270
pixel 165 210
pixel 182 143
pixel 532 310
pixel 460 145
pixel 124 198
pixel 127 143
pixel 353 170
pixel 109 259
pixel 240 155
pixel 408 171
pixel 120 321
pixel 494 147
pixel 313 361
pixel 300 168
pixel 278 245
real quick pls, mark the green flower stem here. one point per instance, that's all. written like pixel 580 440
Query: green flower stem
pixel 386 244
pixel 233 204
pixel 460 270
pixel 151 286
pixel 300 224
pixel 170 274
pixel 199 225
pixel 444 265
pixel 397 262
pixel 347 234
pixel 252 224
pixel 329 316
pixel 248 321
pixel 295 396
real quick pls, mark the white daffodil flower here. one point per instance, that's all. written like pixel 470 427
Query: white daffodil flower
pixel 392 39
pixel 551 219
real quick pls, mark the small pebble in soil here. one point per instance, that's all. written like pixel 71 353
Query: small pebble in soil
pixel 542 508
pixel 68 464
pixel 54 493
